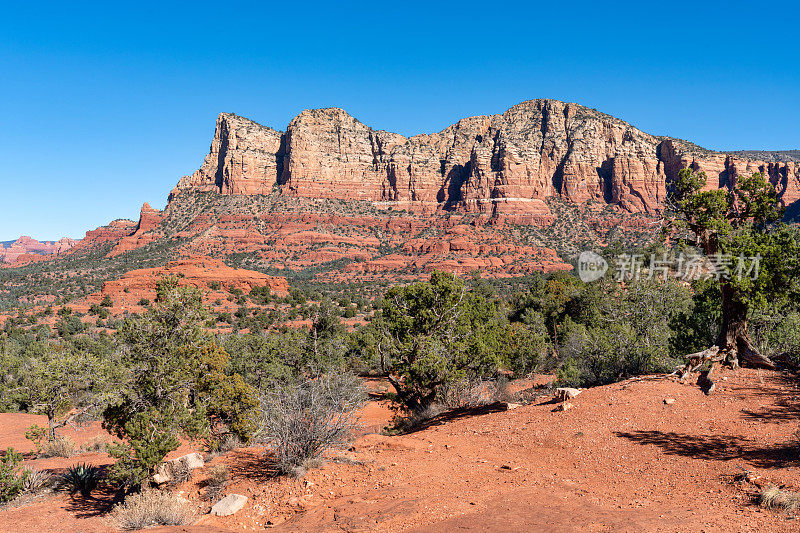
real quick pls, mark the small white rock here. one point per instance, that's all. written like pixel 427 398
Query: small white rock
pixel 229 505
pixel 566 393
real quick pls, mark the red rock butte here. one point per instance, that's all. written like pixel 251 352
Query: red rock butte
pixel 499 164
pixel 26 249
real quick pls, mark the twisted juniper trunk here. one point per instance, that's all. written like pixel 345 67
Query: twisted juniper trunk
pixel 733 337
pixel 734 324
pixel 733 342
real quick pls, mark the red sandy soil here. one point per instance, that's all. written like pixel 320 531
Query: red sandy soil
pixel 619 460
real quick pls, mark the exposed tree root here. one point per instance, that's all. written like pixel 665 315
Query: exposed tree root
pixel 730 355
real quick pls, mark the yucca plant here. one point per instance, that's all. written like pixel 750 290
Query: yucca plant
pixel 81 477
pixel 35 480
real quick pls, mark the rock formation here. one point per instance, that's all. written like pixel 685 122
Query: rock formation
pixel 245 158
pixel 499 164
pixel 27 249
pixel 144 233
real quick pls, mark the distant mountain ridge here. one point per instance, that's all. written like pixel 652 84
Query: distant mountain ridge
pixel 766 155
pixel 28 248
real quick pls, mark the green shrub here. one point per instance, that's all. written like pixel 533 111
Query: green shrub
pixel 175 387
pixel 438 332
pixel 12 478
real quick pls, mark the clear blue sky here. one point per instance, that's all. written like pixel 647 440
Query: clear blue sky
pixel 105 107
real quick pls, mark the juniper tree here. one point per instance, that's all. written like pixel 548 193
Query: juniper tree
pixel 434 333
pixel 66 385
pixel 175 384
pixel 739 222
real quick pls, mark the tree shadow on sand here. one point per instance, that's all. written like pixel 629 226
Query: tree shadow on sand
pixel 456 414
pixel 99 503
pixel 717 448
pixel 256 465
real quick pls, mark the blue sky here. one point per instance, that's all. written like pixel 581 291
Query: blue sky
pixel 105 106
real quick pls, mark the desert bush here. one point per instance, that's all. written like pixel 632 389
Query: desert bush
pixel 59 447
pixel 35 481
pixel 218 477
pixel 176 385
pixel 779 338
pixel 775 498
pixel 150 508
pixel 222 445
pixel 179 472
pixel 81 478
pixel 12 478
pixel 627 335
pixel 466 393
pixel 302 420
pixel 95 444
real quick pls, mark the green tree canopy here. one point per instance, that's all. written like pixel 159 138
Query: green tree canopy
pixel 437 332
pixel 733 225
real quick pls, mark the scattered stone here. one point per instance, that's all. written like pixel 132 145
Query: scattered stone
pixel 563 407
pixel 669 401
pixel 510 406
pixel 164 471
pixel 229 505
pixel 566 393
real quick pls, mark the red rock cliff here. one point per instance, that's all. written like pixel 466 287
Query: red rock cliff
pixel 506 163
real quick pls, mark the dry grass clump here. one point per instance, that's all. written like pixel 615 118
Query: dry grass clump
pixel 223 445
pixel 776 498
pixel 180 472
pixel 218 477
pixel 150 508
pixel 59 447
pixel 95 444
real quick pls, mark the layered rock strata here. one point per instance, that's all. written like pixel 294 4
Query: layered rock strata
pixel 498 164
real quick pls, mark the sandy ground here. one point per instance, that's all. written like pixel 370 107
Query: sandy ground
pixel 619 460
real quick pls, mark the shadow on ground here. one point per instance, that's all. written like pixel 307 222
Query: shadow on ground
pixel 457 414
pixel 252 464
pixel 99 503
pixel 717 448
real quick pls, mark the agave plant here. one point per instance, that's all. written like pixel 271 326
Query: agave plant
pixel 81 477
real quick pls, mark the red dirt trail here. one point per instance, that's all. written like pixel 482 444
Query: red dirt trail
pixel 619 460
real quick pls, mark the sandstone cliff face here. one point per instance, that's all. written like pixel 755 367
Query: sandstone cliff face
pixel 244 159
pixel 499 164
